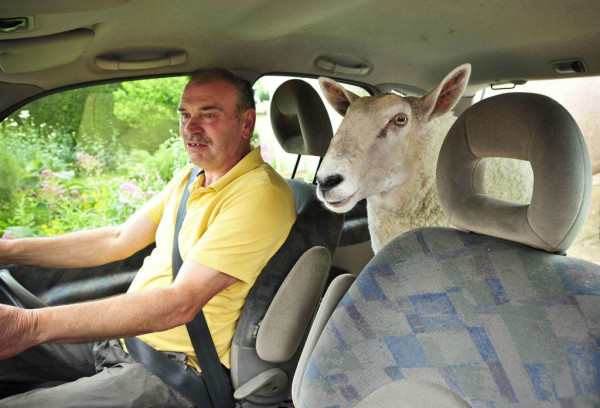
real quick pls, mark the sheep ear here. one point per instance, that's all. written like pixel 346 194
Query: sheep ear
pixel 446 95
pixel 338 97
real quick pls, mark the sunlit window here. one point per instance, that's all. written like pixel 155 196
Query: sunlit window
pixel 87 157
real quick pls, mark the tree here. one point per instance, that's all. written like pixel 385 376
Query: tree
pixel 149 109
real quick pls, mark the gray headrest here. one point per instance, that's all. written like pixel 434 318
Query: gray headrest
pixel 526 127
pixel 299 119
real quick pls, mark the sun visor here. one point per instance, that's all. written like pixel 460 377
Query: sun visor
pixel 38 53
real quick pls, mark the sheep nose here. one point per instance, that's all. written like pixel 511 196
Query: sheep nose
pixel 330 182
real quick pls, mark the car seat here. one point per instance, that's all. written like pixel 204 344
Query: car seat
pixel 492 314
pixel 280 306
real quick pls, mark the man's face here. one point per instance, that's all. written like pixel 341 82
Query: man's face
pixel 214 136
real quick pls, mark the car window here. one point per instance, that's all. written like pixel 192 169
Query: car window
pixel 87 157
pixel 271 151
pixel 581 97
pixel 90 157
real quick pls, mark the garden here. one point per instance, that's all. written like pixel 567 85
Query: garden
pixel 89 157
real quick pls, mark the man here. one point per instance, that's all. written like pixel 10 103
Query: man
pixel 239 213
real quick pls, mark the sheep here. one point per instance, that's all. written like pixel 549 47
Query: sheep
pixel 386 149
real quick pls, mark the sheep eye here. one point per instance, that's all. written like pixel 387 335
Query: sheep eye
pixel 401 120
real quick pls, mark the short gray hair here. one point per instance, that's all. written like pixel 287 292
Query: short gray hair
pixel 241 84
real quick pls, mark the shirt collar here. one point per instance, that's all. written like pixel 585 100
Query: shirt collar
pixel 249 162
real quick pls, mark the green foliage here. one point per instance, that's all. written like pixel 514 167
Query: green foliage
pixel 64 110
pixel 99 130
pixel 62 201
pixel 149 108
pixel 169 157
pixel 88 157
pixel 260 93
pixel 10 177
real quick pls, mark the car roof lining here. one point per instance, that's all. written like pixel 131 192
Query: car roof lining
pixel 504 41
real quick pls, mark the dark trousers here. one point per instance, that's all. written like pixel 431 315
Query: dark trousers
pixel 97 374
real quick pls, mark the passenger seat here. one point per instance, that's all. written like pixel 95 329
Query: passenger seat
pixel 489 314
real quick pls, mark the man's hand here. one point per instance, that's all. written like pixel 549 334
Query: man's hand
pixel 17 328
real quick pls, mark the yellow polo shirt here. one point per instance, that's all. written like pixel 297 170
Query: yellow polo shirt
pixel 234 226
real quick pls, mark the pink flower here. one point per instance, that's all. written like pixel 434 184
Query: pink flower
pixel 47 173
pixel 74 192
pixel 129 187
pixel 264 152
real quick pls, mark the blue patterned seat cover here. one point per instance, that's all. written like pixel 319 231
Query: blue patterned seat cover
pixel 499 324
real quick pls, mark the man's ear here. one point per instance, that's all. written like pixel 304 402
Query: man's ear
pixel 248 121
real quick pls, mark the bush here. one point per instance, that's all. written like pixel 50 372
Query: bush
pixel 10 176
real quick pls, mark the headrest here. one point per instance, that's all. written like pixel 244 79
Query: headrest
pixel 299 119
pixel 526 127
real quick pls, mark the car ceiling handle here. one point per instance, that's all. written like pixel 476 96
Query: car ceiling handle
pixel 339 67
pixel 115 64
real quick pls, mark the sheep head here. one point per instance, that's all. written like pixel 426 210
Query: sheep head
pixel 376 147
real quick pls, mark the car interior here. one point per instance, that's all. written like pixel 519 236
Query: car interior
pixel 499 310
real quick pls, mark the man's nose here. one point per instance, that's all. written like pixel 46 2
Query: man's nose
pixel 193 125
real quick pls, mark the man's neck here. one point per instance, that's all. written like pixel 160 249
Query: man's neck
pixel 212 176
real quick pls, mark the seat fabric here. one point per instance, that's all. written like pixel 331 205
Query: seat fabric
pixel 468 312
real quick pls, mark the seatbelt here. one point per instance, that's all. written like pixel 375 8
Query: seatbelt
pixel 215 391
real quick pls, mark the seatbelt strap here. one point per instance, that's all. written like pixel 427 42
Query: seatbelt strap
pixel 215 391
pixel 170 372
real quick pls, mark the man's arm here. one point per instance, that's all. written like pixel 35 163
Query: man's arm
pixel 83 248
pixel 121 316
